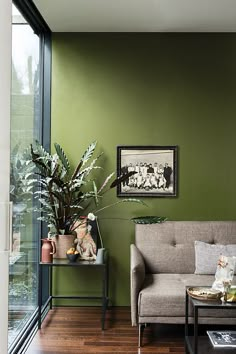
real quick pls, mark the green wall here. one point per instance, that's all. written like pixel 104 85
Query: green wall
pixel 149 89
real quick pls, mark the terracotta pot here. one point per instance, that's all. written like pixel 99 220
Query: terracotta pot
pixel 63 243
pixel 47 251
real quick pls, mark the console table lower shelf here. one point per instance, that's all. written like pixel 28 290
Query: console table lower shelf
pixel 103 267
pixel 202 344
pixel 205 346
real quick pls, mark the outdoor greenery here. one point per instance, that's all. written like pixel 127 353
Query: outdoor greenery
pixel 20 170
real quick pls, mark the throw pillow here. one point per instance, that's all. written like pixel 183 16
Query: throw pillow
pixel 207 255
pixel 224 274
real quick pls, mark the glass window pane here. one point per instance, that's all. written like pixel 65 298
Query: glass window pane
pixel 25 129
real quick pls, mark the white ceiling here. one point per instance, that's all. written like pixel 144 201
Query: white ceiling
pixel 139 15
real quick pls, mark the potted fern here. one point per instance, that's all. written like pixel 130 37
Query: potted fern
pixel 66 195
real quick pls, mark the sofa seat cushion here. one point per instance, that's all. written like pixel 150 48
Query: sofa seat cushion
pixel 164 295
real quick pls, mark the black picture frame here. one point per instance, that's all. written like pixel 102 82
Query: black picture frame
pixel 156 171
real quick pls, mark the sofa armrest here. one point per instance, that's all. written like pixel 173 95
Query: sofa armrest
pixel 137 276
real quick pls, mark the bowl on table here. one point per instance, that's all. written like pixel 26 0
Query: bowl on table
pixel 72 257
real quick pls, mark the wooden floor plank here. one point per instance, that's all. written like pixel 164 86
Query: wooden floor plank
pixel 77 330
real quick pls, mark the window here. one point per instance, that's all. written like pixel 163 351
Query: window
pixel 27 115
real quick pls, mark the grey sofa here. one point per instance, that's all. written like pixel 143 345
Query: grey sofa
pixel 163 264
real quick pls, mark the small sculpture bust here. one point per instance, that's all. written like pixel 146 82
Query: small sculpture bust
pixel 84 242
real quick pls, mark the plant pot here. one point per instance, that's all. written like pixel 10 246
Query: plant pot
pixel 63 243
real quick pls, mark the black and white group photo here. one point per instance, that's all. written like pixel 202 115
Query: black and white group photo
pixel 154 171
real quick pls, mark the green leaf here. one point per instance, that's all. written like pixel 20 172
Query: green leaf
pixel 105 182
pixel 92 165
pixel 122 178
pixel 127 200
pixel 62 156
pixel 86 156
pixel 63 173
pixel 89 152
pixel 45 219
pixel 27 175
pixel 45 203
pixel 86 171
pixel 36 159
pixel 76 184
pixel 149 219
pixel 76 207
pixel 95 193
pixel 132 200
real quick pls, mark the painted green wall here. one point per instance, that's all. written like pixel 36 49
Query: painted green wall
pixel 149 89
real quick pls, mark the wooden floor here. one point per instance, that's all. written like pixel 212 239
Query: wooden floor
pixel 75 330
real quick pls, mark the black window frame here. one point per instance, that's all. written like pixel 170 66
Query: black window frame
pixel 33 17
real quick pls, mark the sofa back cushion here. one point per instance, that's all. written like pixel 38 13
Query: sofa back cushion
pixel 169 247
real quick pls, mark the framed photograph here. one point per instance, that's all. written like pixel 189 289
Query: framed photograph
pixel 155 170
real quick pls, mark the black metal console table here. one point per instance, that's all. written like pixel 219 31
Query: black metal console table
pixel 79 264
pixel 202 344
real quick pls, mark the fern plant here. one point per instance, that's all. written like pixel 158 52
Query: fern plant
pixel 66 195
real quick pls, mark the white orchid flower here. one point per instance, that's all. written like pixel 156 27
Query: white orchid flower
pixel 91 216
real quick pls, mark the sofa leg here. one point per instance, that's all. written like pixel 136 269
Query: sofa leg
pixel 140 334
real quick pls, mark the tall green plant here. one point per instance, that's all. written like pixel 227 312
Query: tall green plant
pixel 66 195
